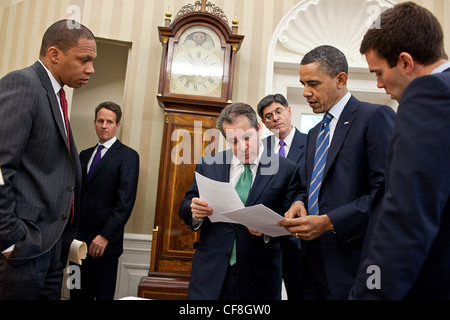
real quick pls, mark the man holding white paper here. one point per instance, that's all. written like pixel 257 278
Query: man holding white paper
pixel 232 261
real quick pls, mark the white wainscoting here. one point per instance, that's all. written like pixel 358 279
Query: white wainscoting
pixel 134 264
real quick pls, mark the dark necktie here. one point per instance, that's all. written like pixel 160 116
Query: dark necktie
pixel 243 187
pixel 65 110
pixel 282 151
pixel 95 161
pixel 320 159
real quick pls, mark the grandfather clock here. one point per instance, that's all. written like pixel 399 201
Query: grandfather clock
pixel 196 83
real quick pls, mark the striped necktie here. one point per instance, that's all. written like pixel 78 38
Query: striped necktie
pixel 320 159
pixel 242 187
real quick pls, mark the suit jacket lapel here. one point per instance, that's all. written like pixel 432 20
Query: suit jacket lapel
pixel 341 131
pixel 223 171
pixel 108 155
pixel 295 152
pixel 267 169
pixel 56 109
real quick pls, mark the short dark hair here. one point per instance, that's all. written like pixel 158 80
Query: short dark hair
pixel 232 111
pixel 268 100
pixel 64 35
pixel 110 106
pixel 406 27
pixel 332 61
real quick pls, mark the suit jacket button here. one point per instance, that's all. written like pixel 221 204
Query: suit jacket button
pixel 70 189
pixel 64 217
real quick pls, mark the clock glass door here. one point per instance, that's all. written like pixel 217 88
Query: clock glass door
pixel 198 63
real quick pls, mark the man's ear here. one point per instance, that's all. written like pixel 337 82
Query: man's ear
pixel 406 63
pixel 53 54
pixel 342 80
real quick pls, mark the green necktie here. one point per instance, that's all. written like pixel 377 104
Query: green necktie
pixel 243 187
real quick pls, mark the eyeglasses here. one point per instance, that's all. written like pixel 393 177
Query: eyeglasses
pixel 270 116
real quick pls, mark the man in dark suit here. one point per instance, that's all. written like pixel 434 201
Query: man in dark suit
pixel 40 165
pixel 231 261
pixel 406 254
pixel 345 164
pixel 290 143
pixel 110 178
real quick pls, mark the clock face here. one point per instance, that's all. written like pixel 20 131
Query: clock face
pixel 198 63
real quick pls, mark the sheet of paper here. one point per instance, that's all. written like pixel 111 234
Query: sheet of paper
pixel 1 178
pixel 259 218
pixel 220 196
pixel 228 207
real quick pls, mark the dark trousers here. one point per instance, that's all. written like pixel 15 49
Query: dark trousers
pixel 36 279
pixel 230 285
pixel 98 278
pixel 292 262
pixel 314 283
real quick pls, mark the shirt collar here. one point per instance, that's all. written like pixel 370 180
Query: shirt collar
pixel 337 109
pixel 55 84
pixel 288 139
pixel 108 143
pixel 441 68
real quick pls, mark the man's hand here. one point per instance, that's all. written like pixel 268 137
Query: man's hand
pixel 297 210
pixel 200 209
pixel 305 227
pixel 98 246
pixel 254 232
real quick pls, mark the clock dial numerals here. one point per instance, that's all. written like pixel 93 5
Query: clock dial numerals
pixel 197 71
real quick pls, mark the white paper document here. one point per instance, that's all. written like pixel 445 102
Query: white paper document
pixel 228 207
pixel 220 196
pixel 1 178
pixel 259 218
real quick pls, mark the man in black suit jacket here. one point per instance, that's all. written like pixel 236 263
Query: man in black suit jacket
pixel 40 164
pixel 406 253
pixel 256 273
pixel 353 170
pixel 108 194
pixel 290 143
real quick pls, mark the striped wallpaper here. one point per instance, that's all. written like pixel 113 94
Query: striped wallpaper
pixel 22 23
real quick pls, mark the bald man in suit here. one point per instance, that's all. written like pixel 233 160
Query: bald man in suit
pixel 40 164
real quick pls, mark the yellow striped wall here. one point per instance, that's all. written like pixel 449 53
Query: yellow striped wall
pixel 22 24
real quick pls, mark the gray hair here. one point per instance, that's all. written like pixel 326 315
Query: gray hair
pixel 232 111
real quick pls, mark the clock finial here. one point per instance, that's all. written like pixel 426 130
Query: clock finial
pixel 204 5
pixel 168 15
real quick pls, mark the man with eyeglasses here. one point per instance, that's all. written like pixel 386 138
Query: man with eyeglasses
pixel 290 143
